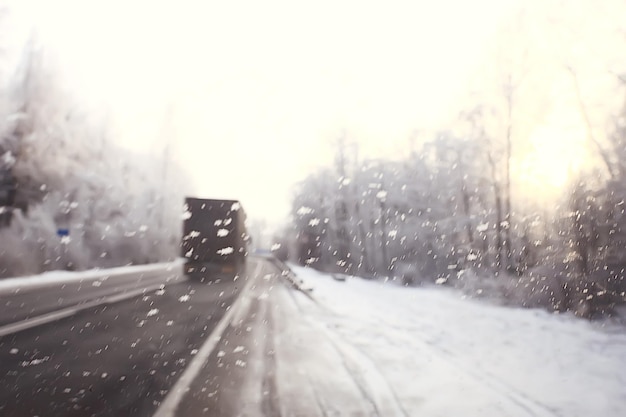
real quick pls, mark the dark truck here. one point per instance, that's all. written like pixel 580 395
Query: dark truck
pixel 214 237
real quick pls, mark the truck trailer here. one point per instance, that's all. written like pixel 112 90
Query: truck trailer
pixel 214 237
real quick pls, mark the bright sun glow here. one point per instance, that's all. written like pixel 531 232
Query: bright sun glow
pixel 258 92
pixel 554 156
pixel 261 89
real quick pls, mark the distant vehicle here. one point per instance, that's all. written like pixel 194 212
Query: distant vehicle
pixel 406 272
pixel 337 276
pixel 215 239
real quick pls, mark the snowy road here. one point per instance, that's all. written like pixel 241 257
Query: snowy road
pixel 361 348
pixel 354 348
pixel 429 352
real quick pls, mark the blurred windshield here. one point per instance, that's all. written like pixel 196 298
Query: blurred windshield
pixel 420 180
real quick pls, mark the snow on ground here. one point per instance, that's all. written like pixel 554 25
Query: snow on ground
pixel 55 277
pixel 443 355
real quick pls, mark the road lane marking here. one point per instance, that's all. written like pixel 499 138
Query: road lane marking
pixel 36 321
pixel 70 311
pixel 170 403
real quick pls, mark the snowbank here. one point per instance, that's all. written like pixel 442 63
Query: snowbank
pixel 443 354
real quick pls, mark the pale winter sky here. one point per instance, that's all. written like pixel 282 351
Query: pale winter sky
pixel 250 94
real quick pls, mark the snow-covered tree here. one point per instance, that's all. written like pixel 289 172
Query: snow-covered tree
pixel 76 200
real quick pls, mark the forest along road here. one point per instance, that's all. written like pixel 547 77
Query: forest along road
pixel 118 356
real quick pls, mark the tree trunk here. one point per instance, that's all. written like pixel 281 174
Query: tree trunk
pixel 364 263
pixel 507 195
pixel 590 135
pixel 383 229
pixel 498 204
pixel 467 213
pixel 498 257
pixel 341 213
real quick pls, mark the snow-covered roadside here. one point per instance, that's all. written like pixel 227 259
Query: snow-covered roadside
pixel 445 355
pixel 56 277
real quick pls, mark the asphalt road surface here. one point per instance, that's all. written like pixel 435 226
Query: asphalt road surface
pixel 124 345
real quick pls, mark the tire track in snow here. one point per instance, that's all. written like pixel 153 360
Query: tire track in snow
pixel 532 406
pixel 362 369
pixel 367 377
pixel 318 398
pixel 514 396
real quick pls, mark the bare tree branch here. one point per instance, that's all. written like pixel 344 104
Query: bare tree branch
pixel 590 135
pixel 620 77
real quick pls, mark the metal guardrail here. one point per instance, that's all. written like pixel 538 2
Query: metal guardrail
pixel 288 274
